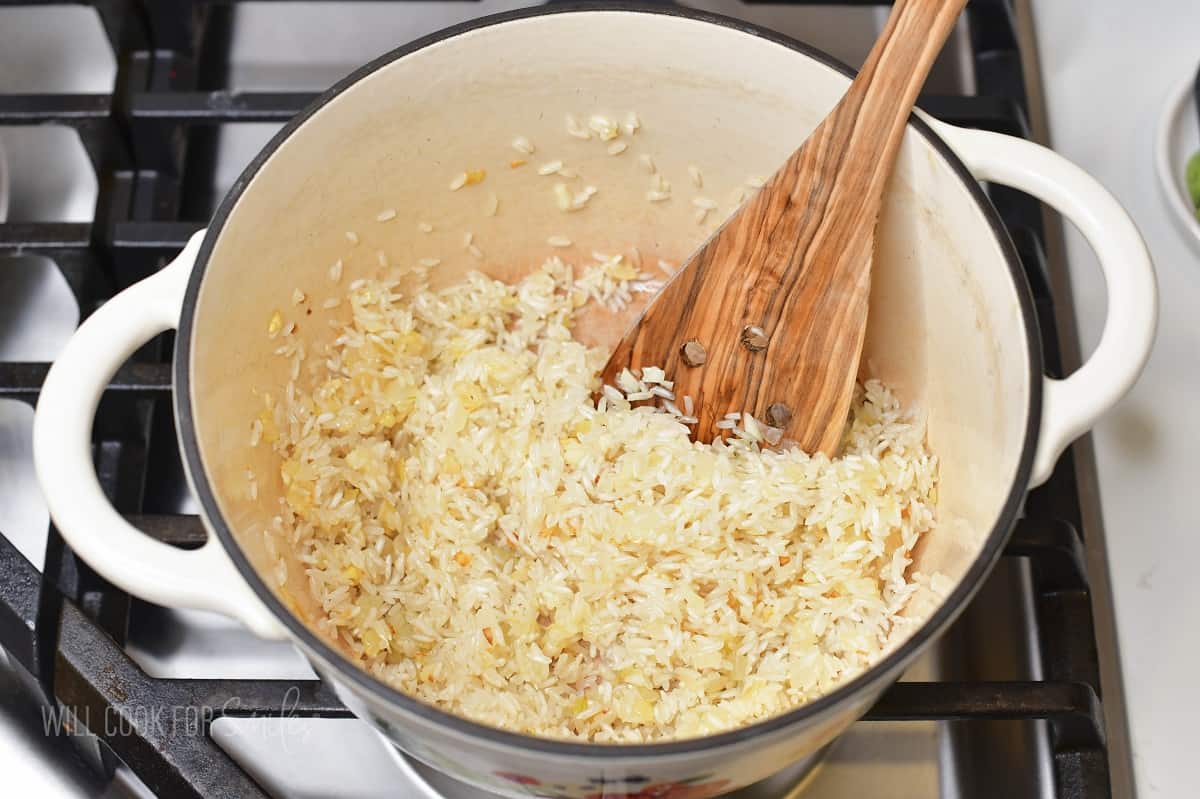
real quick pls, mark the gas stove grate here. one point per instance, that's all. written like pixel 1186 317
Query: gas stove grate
pixel 146 142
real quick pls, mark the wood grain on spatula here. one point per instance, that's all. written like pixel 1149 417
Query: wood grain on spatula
pixel 775 303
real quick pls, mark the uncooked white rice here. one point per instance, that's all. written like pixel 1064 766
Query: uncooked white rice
pixel 484 535
pixel 577 130
pixel 562 196
pixel 632 123
pixel 604 127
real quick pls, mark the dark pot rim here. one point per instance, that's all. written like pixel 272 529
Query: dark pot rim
pixel 379 691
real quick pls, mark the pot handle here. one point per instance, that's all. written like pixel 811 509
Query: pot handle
pixel 204 578
pixel 1071 406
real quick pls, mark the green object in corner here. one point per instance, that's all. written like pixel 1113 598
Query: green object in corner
pixel 1193 179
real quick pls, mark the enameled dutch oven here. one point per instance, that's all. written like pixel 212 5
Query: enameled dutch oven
pixel 952 328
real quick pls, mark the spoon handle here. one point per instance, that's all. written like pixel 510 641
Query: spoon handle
pixel 768 317
pixel 879 101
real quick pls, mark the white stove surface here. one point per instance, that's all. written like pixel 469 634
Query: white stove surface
pixel 1107 68
pixel 306 757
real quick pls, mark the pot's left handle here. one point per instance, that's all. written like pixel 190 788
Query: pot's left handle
pixel 204 578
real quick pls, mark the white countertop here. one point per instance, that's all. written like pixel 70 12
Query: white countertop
pixel 1107 67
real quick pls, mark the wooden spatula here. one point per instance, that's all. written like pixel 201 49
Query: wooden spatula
pixel 769 315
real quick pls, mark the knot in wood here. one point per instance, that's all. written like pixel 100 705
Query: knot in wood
pixel 693 353
pixel 778 415
pixel 754 338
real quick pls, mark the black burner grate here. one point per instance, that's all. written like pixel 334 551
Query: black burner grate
pixel 150 145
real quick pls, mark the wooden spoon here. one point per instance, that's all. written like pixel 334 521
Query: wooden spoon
pixel 769 315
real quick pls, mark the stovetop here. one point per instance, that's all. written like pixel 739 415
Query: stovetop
pixel 114 159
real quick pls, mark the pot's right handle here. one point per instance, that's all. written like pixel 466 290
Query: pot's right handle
pixel 203 578
pixel 1072 405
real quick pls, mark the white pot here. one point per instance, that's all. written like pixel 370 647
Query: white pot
pixel 952 327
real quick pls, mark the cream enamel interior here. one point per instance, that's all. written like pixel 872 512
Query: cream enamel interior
pixel 946 328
